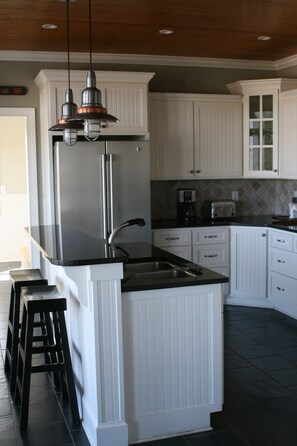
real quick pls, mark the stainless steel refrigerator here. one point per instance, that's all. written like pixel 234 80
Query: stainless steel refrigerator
pixel 99 185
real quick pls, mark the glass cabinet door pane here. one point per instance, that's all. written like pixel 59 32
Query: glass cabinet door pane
pixel 254 107
pixel 254 133
pixel 267 158
pixel 254 158
pixel 267 106
pixel 267 135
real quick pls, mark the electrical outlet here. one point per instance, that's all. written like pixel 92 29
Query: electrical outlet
pixel 235 195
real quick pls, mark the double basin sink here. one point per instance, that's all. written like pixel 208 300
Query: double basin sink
pixel 157 270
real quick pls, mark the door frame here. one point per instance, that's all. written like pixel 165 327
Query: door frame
pixel 31 168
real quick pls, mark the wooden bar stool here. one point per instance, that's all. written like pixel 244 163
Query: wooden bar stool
pixel 48 303
pixel 19 278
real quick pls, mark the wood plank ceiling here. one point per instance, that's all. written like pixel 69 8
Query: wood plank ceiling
pixel 202 28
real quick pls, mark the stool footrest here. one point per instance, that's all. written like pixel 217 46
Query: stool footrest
pixel 44 349
pixel 47 368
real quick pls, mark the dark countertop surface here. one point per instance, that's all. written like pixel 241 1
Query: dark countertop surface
pixel 258 220
pixel 66 246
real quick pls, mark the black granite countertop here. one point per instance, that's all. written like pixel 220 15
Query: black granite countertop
pixel 67 246
pixel 143 252
pixel 257 220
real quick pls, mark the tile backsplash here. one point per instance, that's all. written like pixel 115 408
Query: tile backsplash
pixel 255 196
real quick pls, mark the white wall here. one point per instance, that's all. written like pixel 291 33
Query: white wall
pixel 14 214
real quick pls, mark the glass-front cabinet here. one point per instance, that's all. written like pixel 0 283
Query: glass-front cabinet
pixel 262 133
pixel 260 100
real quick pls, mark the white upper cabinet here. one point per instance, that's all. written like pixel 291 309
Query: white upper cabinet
pixel 195 136
pixel 288 135
pixel 124 94
pixel 261 124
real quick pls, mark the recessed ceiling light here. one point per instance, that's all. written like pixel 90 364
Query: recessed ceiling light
pixel 49 26
pixel 165 32
pixel 264 38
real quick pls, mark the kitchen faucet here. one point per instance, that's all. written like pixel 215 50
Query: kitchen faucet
pixel 134 221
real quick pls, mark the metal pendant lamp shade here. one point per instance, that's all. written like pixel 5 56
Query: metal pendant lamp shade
pixel 69 108
pixel 92 112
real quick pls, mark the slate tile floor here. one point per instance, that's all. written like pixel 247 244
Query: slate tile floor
pixel 260 406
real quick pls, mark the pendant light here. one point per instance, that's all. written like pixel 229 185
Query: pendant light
pixel 69 108
pixel 93 114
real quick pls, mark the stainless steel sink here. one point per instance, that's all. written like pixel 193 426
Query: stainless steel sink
pixel 147 267
pixel 158 270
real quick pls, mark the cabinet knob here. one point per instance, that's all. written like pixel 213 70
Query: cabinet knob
pixel 191 171
pixel 197 171
pixel 263 235
pixel 274 170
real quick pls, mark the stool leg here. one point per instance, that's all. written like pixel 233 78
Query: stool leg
pixel 47 331
pixel 61 334
pixel 15 340
pixel 20 365
pixel 8 352
pixel 26 375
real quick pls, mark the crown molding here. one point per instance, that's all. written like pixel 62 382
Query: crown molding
pixel 287 62
pixel 138 59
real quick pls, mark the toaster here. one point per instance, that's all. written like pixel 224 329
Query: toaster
pixel 217 209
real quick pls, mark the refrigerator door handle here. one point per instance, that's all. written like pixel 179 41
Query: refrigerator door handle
pixel 111 202
pixel 104 197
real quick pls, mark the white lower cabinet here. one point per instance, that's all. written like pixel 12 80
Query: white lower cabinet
pixel 207 246
pixel 173 356
pixel 211 249
pixel 282 274
pixel 175 241
pixel 248 266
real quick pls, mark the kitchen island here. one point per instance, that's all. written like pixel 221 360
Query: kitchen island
pixel 147 354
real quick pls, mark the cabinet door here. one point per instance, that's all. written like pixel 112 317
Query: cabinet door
pixel 248 262
pixel 218 139
pixel 127 102
pixel 288 135
pixel 171 138
pixel 261 135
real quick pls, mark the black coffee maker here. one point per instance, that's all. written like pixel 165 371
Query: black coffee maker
pixel 186 206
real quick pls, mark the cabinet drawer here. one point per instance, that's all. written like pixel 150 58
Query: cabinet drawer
pixel 211 255
pixel 174 237
pixel 185 252
pixel 282 240
pixel 207 236
pixel 283 287
pixel 283 262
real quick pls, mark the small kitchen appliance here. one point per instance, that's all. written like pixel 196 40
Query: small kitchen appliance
pixel 218 209
pixel 186 206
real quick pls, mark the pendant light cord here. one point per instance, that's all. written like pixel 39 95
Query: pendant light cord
pixel 68 44
pixel 90 35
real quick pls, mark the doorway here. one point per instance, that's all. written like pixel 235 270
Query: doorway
pixel 18 185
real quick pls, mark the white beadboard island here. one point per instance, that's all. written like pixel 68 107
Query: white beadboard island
pixel 147 355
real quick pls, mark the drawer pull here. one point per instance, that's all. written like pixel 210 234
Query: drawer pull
pixel 280 241
pixel 171 238
pixel 211 256
pixel 280 261
pixel 280 289
pixel 210 236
